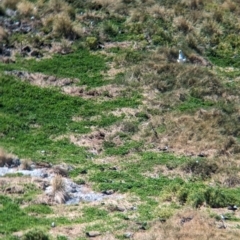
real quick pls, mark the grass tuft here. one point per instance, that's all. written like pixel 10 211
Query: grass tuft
pixel 58 189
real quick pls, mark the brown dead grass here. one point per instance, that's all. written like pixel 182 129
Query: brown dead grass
pixel 187 134
pixel 198 226
pixel 58 189
pixel 3 34
pixel 92 141
pixel 10 3
pixel 62 25
pixel 26 8
pixel 5 158
pixel 14 185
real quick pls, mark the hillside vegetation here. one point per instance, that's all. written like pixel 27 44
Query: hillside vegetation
pixel 91 92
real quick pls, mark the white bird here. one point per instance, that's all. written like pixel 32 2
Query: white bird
pixel 181 57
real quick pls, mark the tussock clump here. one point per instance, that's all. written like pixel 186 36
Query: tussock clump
pixel 187 225
pixel 211 27
pixel 63 26
pixel 232 181
pixel 183 24
pixel 193 4
pixel 35 234
pixel 58 5
pixel 12 4
pixel 201 168
pixel 6 158
pixel 229 5
pixel 58 189
pixel 26 8
pixel 3 35
pixel 25 165
pixel 159 12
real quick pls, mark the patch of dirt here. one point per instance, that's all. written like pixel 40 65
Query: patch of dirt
pixel 42 80
pixel 188 225
pixel 128 112
pixel 10 185
pixel 104 92
pixel 124 44
pixel 68 85
pixel 92 141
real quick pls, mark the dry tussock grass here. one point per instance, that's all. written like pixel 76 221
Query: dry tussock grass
pixel 197 226
pixel 3 34
pixel 48 20
pixel 137 15
pixel 229 5
pixel 25 164
pixel 62 25
pixel 12 4
pixel 26 8
pixel 193 4
pixel 183 24
pixel 186 133
pixel 104 3
pixel 159 12
pixel 58 5
pixel 210 27
pixel 5 158
pixel 58 189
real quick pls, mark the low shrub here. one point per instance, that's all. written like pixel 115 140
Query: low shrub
pixel 91 43
pixel 197 194
pixel 35 234
pixel 200 168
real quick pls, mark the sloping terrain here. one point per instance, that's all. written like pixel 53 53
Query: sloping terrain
pixel 104 134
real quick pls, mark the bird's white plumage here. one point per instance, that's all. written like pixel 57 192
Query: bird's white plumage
pixel 181 57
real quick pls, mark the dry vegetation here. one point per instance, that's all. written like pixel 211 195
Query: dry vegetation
pixel 57 190
pixel 189 110
pixel 188 224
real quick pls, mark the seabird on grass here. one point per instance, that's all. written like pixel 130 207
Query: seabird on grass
pixel 232 207
pixel 181 57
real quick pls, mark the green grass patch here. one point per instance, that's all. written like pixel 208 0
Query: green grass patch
pixel 32 116
pixel 38 208
pixel 13 218
pixel 191 104
pixel 130 146
pixel 94 213
pixel 81 64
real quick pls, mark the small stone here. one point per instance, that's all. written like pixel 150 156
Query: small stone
pixel 53 224
pixel 128 235
pixel 108 192
pixel 26 49
pixel 93 234
pixel 134 208
pixel 36 53
pixel 120 208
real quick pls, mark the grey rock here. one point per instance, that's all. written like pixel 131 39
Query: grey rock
pixel 36 53
pixel 108 192
pixel 128 235
pixel 11 13
pixel 93 234
pixel 120 208
pixel 26 49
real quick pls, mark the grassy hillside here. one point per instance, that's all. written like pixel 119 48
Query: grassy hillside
pixel 92 91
